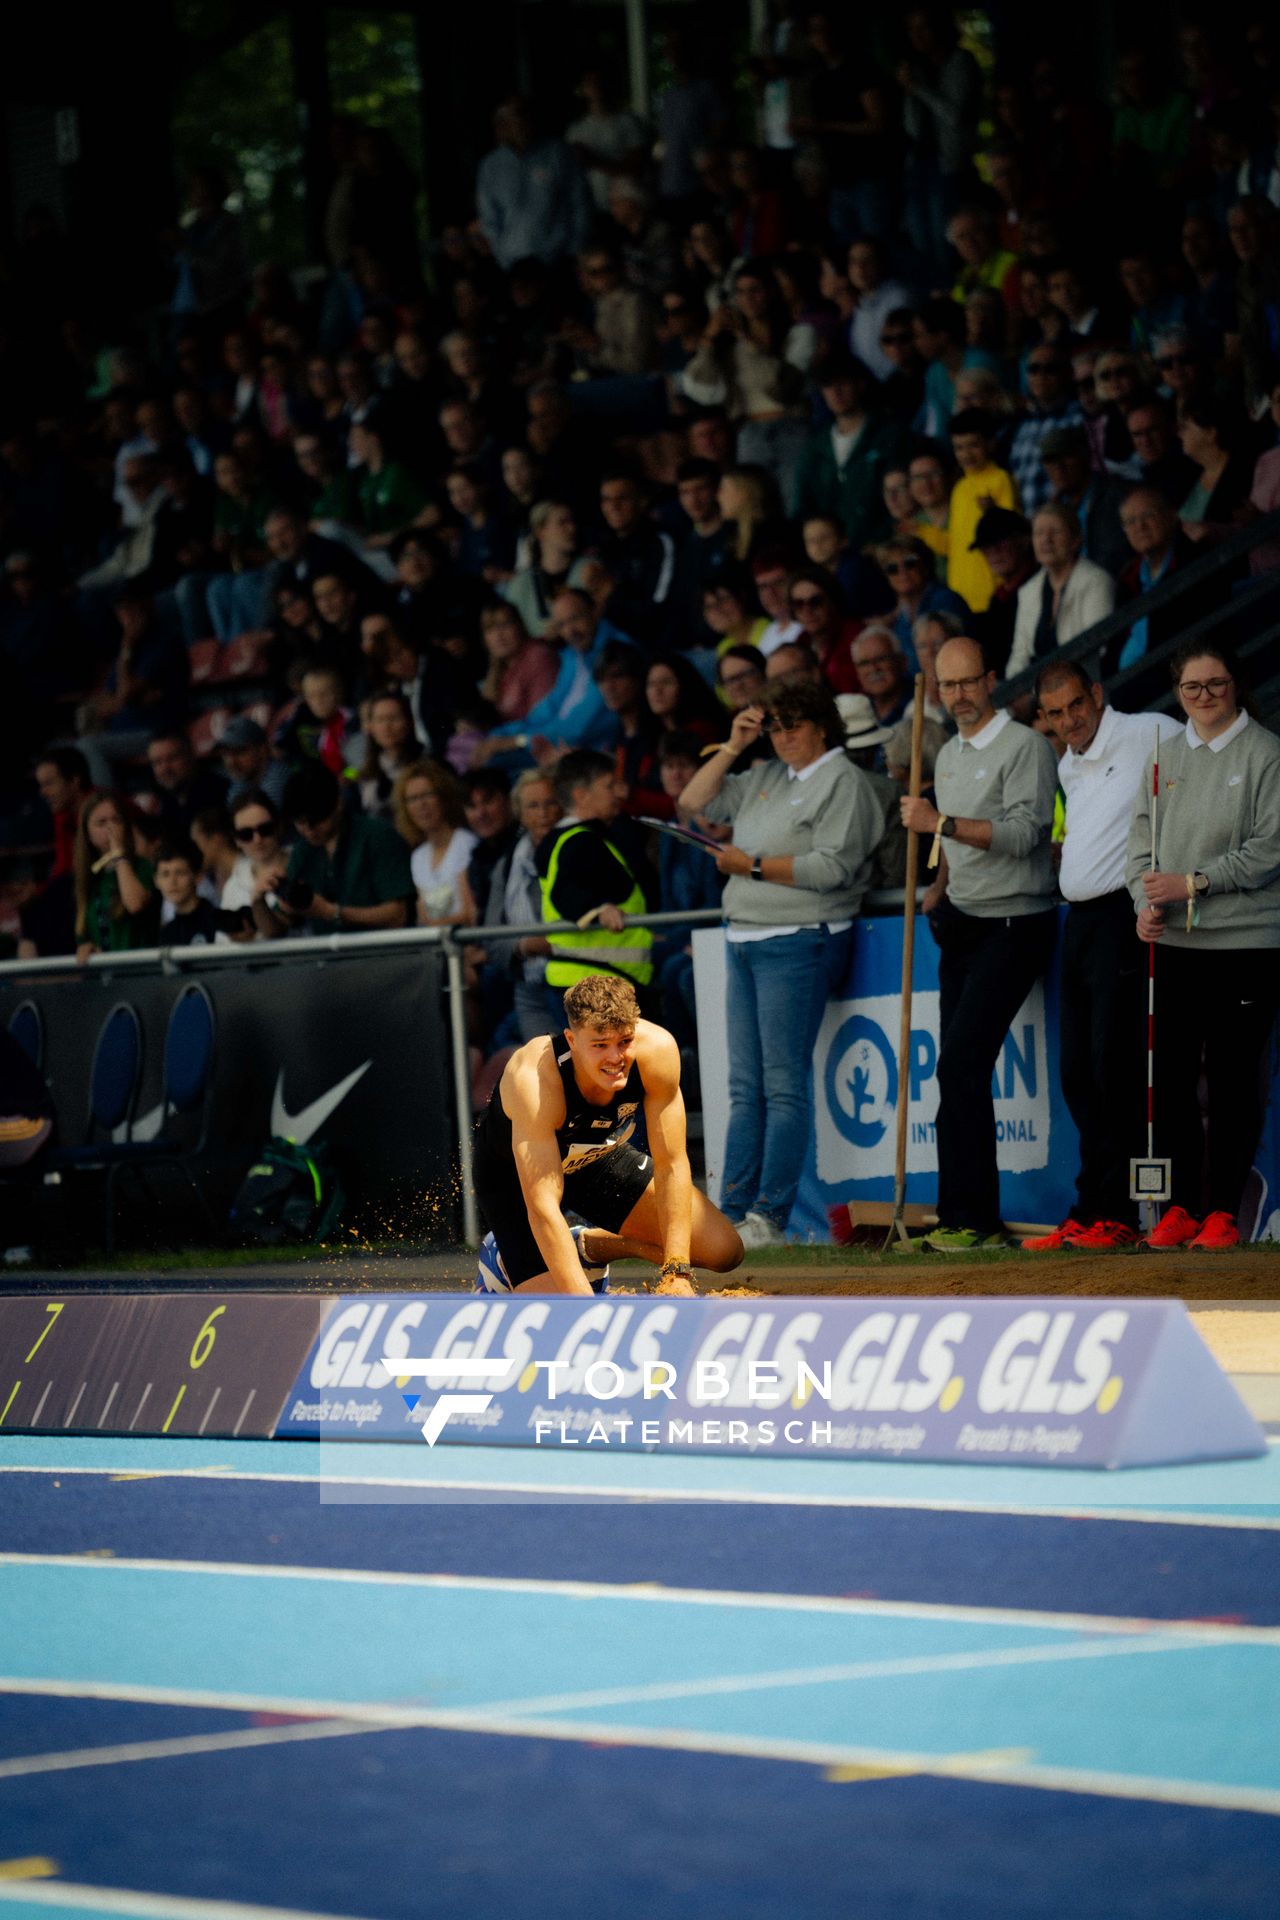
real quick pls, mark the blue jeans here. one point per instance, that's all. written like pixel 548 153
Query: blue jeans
pixel 778 992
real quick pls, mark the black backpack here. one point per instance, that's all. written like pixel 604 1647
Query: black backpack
pixel 291 1192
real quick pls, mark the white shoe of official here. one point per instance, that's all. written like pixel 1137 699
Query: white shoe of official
pixel 755 1231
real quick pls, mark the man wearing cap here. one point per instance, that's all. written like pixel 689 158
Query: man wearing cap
pixel 1101 1008
pixel 865 739
pixel 1003 538
pixel 1067 459
pixel 991 911
pixel 246 756
pixel 843 465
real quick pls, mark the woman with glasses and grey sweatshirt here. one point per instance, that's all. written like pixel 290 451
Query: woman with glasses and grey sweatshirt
pixel 805 827
pixel 1212 904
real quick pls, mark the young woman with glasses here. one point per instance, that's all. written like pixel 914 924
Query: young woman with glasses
pixel 1212 907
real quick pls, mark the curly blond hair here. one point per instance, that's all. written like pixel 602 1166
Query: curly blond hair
pixel 603 1001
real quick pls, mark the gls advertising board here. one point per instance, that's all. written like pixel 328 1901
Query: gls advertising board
pixel 1043 1382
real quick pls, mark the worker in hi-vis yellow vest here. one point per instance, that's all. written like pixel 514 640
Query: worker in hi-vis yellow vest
pixel 584 871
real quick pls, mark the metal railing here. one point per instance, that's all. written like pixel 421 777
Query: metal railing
pixel 339 946
pixel 1264 591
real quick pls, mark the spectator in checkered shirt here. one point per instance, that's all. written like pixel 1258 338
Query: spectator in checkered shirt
pixel 1051 403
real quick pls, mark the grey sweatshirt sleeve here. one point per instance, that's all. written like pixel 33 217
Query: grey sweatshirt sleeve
pixel 1257 862
pixel 1030 782
pixel 846 832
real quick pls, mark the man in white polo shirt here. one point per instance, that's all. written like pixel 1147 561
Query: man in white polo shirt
pixel 1102 1021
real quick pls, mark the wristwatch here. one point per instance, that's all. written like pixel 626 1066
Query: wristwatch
pixel 946 826
pixel 757 868
pixel 1201 883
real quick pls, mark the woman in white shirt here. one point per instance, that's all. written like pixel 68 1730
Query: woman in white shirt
pixel 1067 596
pixel 427 809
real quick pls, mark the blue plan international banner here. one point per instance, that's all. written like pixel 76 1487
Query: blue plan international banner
pixel 856 1092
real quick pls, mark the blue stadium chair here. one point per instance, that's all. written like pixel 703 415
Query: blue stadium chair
pixel 187 1083
pixel 26 1024
pixel 113 1090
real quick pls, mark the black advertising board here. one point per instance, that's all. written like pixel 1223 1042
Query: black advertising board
pixel 352 1051
pixel 183 1365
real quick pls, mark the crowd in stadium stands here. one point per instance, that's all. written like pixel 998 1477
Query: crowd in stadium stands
pixel 313 604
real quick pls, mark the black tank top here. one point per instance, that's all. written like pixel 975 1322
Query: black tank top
pixel 589 1132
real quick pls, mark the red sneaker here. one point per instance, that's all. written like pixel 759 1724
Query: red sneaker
pixel 1062 1236
pixel 1219 1231
pixel 1176 1229
pixel 1103 1235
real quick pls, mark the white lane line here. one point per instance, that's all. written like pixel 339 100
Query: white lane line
pixel 378 1714
pixel 978 1660
pixel 243 1411
pixel 61 1894
pixel 141 1404
pixel 550 1491
pixel 179 1747
pixel 35 1418
pixel 75 1403
pixel 209 1409
pixel 1212 1632
pixel 102 1417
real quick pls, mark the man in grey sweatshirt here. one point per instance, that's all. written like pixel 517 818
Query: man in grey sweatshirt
pixel 991 910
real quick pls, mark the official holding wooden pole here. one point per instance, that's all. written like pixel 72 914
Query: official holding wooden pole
pixel 898 1226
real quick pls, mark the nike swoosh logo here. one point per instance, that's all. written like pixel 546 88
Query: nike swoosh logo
pixel 302 1126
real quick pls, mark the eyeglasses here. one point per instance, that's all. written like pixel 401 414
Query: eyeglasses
pixel 875 661
pixel 257 830
pixel 1195 689
pixel 958 686
pixel 746 678
pixel 799 600
pixel 780 723
pixel 900 566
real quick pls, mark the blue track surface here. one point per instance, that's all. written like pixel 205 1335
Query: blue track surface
pixel 901 1691
pixel 1003 1559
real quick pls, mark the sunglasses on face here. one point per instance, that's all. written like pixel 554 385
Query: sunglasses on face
pixel 901 566
pixel 780 723
pixel 256 830
pixel 801 600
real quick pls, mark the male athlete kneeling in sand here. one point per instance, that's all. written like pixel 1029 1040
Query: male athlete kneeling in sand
pixel 553 1140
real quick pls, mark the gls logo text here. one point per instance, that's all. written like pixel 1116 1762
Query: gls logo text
pixel 434 1424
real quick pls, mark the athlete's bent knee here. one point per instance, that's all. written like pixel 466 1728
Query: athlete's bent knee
pixel 720 1246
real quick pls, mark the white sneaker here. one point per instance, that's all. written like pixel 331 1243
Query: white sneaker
pixel 755 1231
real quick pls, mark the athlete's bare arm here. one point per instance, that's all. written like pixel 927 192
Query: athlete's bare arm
pixel 533 1100
pixel 658 1058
